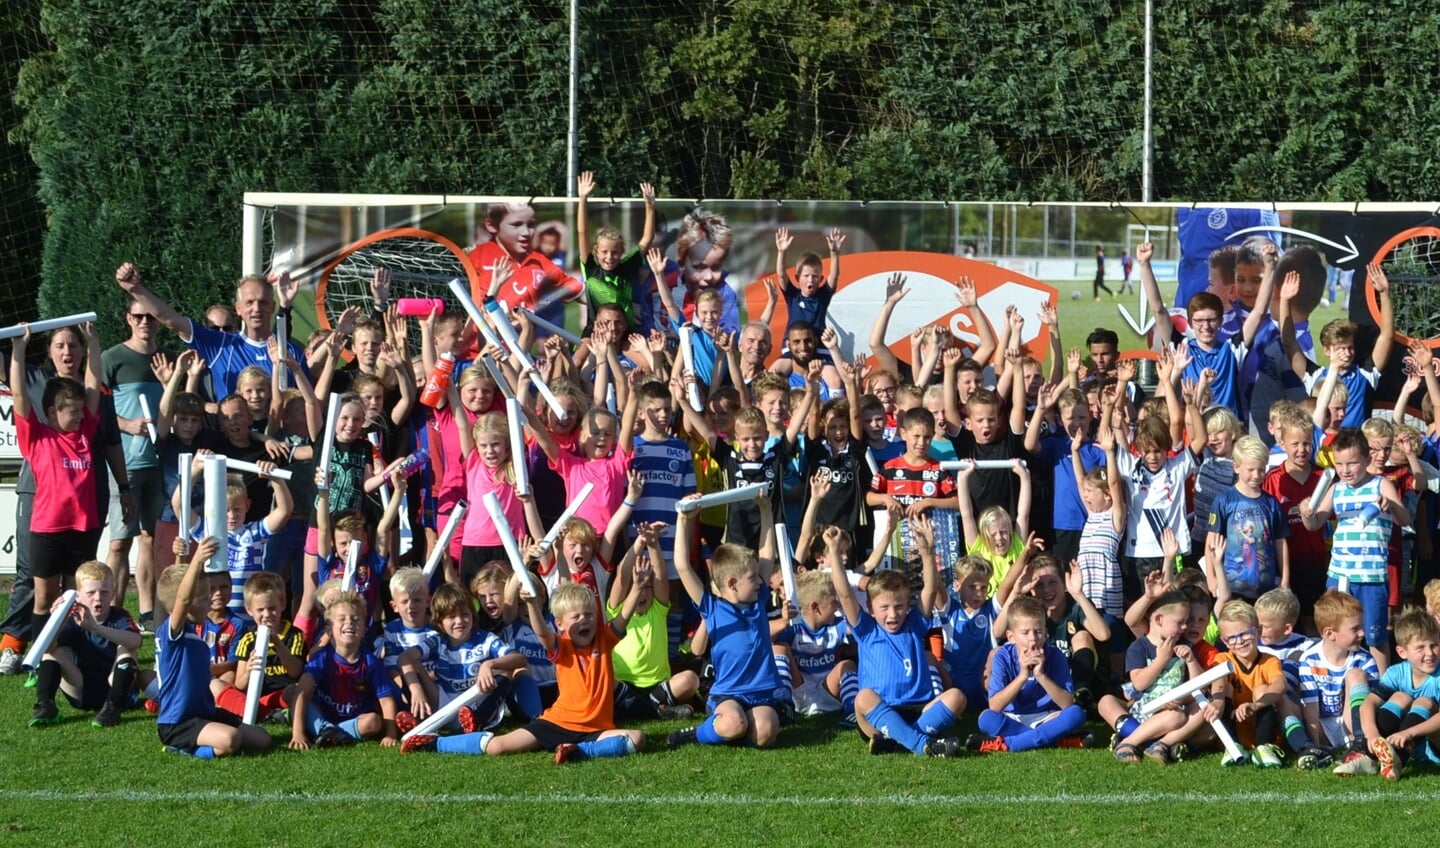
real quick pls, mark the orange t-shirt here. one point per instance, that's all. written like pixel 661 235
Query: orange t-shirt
pixel 586 678
pixel 1243 683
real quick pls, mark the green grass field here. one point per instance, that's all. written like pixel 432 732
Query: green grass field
pixel 72 784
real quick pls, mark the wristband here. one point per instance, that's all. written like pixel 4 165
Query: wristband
pixel 628 503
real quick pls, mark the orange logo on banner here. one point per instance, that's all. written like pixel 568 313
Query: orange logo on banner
pixel 931 279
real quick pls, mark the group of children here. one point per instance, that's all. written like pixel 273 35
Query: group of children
pixel 968 533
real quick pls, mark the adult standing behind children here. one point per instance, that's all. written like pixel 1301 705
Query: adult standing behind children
pixel 227 353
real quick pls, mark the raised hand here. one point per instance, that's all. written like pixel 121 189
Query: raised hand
pixel 1376 275
pixel 128 277
pixel 1048 315
pixel 1424 357
pixel 834 239
pixel 1290 286
pixel 965 293
pixel 380 285
pixel 286 287
pixel 1144 252
pixel 783 239
pixel 895 288
pixel 656 258
pixel 647 193
pixel 501 271
pixel 162 367
pixel 585 184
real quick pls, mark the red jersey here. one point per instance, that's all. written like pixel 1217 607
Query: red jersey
pixel 908 483
pixel 1308 548
pixel 536 281
pixel 65 473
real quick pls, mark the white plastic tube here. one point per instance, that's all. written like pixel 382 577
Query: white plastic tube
pixel 374 438
pixel 982 464
pixel 787 564
pixel 512 341
pixel 498 376
pixel 187 492
pixel 565 516
pixel 507 539
pixel 729 496
pixel 282 332
pixel 327 442
pixel 516 418
pixel 1186 689
pixel 445 714
pixel 215 510
pixel 1326 478
pixel 554 329
pixel 57 620
pixel 149 419
pixel 48 324
pixel 252 468
pixel 443 543
pixel 687 356
pixel 352 567
pixel 462 294
pixel 258 658
pixel 1233 752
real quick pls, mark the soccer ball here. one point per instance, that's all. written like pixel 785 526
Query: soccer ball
pixel 1075 295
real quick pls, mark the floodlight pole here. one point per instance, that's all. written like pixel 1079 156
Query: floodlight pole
pixel 572 164
pixel 1147 166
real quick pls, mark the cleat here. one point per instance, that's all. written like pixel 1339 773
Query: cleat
pixel 333 737
pixel 468 722
pixel 984 743
pixel 565 753
pixel 1078 740
pixel 882 745
pixel 1389 761
pixel 1085 699
pixel 1311 758
pixel 678 738
pixel 280 717
pixel 944 747
pixel 1356 763
pixel 1268 756
pixel 45 713
pixel 405 722
pixel 849 722
pixel 1232 762
pixel 147 624
pixel 418 742
pixel 108 716
pixel 675 712
pixel 152 706
pixel 9 662
pixel 31 679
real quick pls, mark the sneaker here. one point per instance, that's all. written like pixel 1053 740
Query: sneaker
pixel 883 745
pixel 405 721
pixel 675 712
pixel 31 679
pixel 1356 763
pixel 333 737
pixel 108 716
pixel 418 742
pixel 147 624
pixel 564 753
pixel 1269 756
pixel 849 722
pixel 984 743
pixel 45 713
pixel 279 716
pixel 1389 762
pixel 152 706
pixel 945 747
pixel 678 738
pixel 1312 757
pixel 9 662
pixel 468 722
pixel 1228 761
pixel 1078 740
pixel 1085 699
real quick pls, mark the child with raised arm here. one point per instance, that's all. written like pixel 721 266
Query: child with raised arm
pixel 900 704
pixel 92 660
pixel 1399 713
pixel 1102 492
pixel 284 657
pixel 993 535
pixel 334 539
pixel 188 721
pixel 610 270
pixel 645 687
pixel 344 696
pixel 1075 626
pixel 1336 674
pixel 911 485
pixel 245 541
pixel 748 702
pixel 1337 339
pixel 1031 700
pixel 1290 483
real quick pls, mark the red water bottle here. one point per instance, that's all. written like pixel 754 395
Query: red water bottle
pixel 439 382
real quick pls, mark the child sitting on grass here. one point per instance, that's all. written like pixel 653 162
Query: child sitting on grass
pixel 344 695
pixel 284 658
pixel 816 642
pixel 92 660
pixel 1399 713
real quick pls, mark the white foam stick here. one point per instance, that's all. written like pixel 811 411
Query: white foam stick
pixel 610 401
pixel 327 443
pixel 215 509
pixel 870 461
pixel 58 617
pixel 45 326
pixel 555 329
pixel 374 438
pixel 149 419
pixel 282 332
pixel 729 496
pixel 516 417
pixel 507 539
pixel 252 468
pixel 258 658
pixel 1326 479
pixel 445 714
pixel 496 314
pixel 352 567
pixel 565 516
pixel 1233 751
pixel 981 464
pixel 1186 689
pixel 787 564
pixel 498 376
pixel 187 493
pixel 462 294
pixel 443 543
pixel 1343 584
pixel 687 356
pixel 549 396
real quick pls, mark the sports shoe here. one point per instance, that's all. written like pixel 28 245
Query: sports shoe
pixel 405 721
pixel 45 713
pixel 418 742
pixel 564 753
pixel 880 744
pixel 1312 757
pixel 9 662
pixel 984 743
pixel 152 706
pixel 108 716
pixel 674 712
pixel 678 738
pixel 31 679
pixel 1268 756
pixel 945 746
pixel 1356 763
pixel 279 716
pixel 332 737
pixel 1389 760
pixel 1229 761
pixel 1085 699
pixel 849 722
pixel 147 624
pixel 468 722
pixel 1078 740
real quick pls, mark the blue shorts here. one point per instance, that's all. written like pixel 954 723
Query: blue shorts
pixel 779 701
pixel 1374 599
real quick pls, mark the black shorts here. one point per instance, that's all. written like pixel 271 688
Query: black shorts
pixel 58 554
pixel 551 736
pixel 185 735
pixel 640 701
pixel 94 689
pixel 474 559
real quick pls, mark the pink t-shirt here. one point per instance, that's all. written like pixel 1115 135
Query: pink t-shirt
pixel 479 481
pixel 607 474
pixel 446 459
pixel 65 474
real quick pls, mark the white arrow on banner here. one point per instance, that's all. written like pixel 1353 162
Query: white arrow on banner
pixel 1348 248
pixel 1139 328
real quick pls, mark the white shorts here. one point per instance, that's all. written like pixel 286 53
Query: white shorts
pixel 812 698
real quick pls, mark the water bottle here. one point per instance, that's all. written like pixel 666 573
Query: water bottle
pixel 414 462
pixel 439 382
pixel 419 307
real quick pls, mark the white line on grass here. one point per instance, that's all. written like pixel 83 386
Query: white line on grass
pixel 717 799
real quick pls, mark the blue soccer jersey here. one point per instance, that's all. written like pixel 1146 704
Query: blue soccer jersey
pixel 396 639
pixel 1400 677
pixel 1033 698
pixel 1324 684
pixel 967 640
pixel 668 471
pixel 345 689
pixel 523 638
pixel 221 636
pixel 456 665
pixel 1223 359
pixel 740 650
pixel 816 652
pixel 182 665
pixel 227 354
pixel 895 665
pixel 369 574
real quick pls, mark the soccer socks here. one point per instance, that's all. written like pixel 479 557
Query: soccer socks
pixel 464 743
pixel 1389 718
pixel 122 681
pixel 999 724
pixel 350 727
pixel 889 724
pixel 611 746
pixel 1414 717
pixel 1358 693
pixel 1295 735
pixel 936 719
pixel 849 688
pixel 526 694
pixel 782 668
pixel 204 752
pixel 1126 726
pixel 705 734
pixel 47 680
